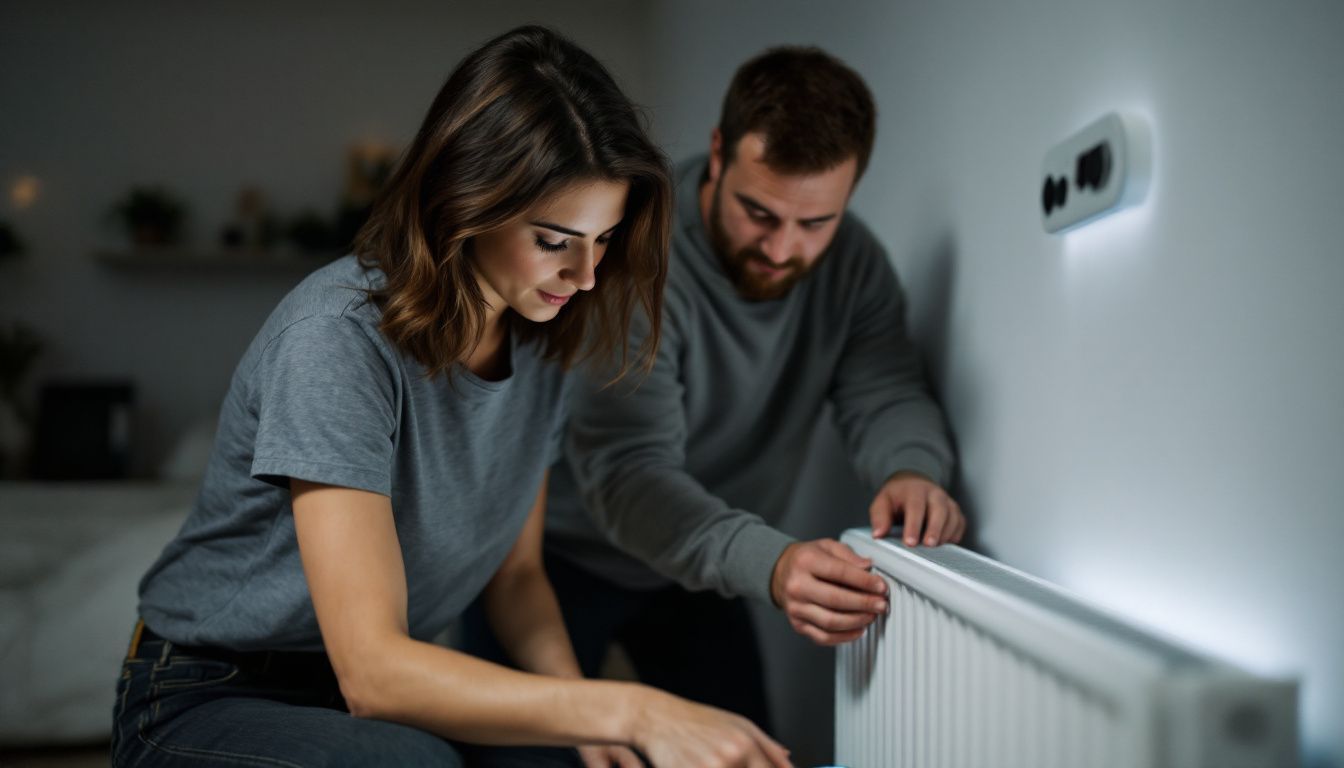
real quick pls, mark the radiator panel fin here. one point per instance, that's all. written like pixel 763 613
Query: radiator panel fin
pixel 925 688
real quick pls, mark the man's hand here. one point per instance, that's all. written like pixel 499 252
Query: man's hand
pixel 924 505
pixel 827 591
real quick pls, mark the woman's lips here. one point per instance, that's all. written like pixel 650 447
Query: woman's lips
pixel 551 298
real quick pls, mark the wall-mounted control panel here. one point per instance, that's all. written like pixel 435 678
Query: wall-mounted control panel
pixel 1098 170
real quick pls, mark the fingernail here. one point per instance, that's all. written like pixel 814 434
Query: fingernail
pixel 931 541
pixel 909 541
pixel 882 607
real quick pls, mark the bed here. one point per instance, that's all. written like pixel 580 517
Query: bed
pixel 71 556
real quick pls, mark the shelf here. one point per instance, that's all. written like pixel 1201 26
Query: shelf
pixel 173 258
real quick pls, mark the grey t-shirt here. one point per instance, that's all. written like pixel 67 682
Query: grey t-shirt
pixel 321 395
pixel 684 474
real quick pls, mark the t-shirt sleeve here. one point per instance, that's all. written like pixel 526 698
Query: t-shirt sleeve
pixel 325 399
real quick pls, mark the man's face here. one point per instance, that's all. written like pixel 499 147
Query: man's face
pixel 769 228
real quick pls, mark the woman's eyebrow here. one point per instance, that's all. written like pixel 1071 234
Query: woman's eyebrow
pixel 567 230
pixel 557 228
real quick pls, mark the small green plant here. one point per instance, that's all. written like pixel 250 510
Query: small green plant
pixel 150 216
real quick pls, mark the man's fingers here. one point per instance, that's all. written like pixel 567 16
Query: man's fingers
pixel 831 621
pixel 880 515
pixel 838 571
pixel 936 515
pixel 955 525
pixel 914 519
pixel 822 637
pixel 628 759
pixel 837 598
pixel 843 552
pixel 961 526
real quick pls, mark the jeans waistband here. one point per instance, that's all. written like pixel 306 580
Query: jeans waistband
pixel 147 644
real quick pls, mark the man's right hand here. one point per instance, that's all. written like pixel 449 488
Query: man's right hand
pixel 827 591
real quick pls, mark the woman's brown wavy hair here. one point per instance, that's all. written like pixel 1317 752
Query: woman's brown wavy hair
pixel 521 118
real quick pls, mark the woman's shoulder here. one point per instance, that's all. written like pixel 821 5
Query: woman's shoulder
pixel 331 305
pixel 339 288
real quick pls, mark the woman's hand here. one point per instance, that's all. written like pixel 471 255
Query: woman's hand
pixel 674 732
pixel 606 757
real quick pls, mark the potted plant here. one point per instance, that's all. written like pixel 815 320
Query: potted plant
pixel 150 216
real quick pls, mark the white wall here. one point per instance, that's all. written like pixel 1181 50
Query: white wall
pixel 1150 410
pixel 207 99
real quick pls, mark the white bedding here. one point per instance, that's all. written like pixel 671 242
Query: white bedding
pixel 71 555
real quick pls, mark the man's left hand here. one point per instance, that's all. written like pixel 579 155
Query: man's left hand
pixel 925 507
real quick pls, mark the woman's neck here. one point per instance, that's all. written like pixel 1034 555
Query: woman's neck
pixel 489 359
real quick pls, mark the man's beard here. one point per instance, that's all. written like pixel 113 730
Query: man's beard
pixel 752 286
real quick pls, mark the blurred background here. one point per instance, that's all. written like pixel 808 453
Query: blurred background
pixel 1149 409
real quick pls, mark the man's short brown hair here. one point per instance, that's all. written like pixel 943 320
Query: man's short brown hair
pixel 813 111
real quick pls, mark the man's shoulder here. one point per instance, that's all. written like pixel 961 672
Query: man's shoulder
pixel 854 234
pixel 857 261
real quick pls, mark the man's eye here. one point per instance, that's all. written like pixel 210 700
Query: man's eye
pixel 548 246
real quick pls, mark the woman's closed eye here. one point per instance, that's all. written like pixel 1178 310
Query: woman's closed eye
pixel 546 245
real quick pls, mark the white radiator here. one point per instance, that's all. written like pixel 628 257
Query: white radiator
pixel 981 666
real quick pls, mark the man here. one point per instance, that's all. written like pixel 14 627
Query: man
pixel 777 302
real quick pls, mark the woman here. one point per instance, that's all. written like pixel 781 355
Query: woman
pixel 381 461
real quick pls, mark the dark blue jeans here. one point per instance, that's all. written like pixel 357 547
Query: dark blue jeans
pixel 214 707
pixel 697 645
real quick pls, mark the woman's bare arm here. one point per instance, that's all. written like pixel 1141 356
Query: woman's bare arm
pixel 352 561
pixel 522 608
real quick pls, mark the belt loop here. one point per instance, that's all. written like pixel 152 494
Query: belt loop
pixel 135 639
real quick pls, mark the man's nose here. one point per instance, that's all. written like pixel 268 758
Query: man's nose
pixel 780 244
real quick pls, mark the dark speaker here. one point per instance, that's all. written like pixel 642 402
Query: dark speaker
pixel 83 431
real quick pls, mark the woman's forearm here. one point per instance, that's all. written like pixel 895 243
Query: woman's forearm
pixel 464 698
pixel 526 619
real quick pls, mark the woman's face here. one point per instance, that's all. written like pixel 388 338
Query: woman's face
pixel 535 264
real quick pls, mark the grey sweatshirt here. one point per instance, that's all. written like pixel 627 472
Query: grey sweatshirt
pixel 682 474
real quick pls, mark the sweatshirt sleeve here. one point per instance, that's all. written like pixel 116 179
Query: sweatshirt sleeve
pixel 882 406
pixel 626 446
